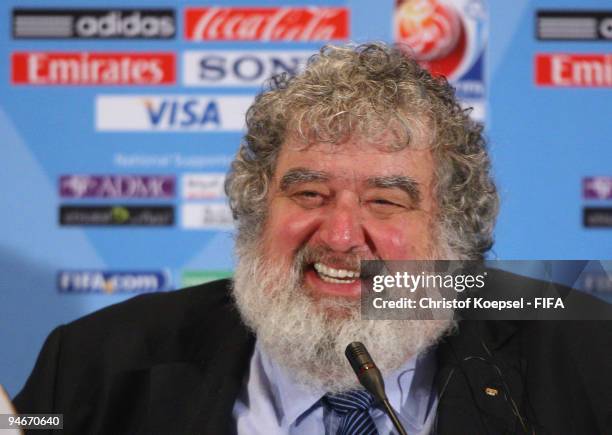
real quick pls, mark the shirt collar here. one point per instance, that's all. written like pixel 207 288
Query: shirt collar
pixel 290 399
pixel 409 389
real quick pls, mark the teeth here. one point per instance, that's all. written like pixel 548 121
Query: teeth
pixel 329 274
pixel 336 281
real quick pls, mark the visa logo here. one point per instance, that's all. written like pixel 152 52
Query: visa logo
pixel 176 113
pixel 183 113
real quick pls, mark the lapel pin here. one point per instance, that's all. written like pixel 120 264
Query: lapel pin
pixel 491 391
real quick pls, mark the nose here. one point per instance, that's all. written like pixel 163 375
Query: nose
pixel 342 227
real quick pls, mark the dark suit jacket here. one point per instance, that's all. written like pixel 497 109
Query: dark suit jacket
pixel 173 363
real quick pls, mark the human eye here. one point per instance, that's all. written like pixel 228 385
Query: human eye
pixel 386 205
pixel 308 198
pixel 385 202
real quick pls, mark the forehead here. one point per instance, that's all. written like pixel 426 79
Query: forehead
pixel 356 160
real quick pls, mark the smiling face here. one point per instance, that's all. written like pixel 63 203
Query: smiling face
pixel 310 205
pixel 345 203
pixel 297 283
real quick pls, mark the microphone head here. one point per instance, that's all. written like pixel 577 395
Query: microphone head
pixel 358 356
pixel 367 373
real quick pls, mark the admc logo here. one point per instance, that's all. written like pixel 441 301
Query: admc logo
pixel 117 186
pixel 597 188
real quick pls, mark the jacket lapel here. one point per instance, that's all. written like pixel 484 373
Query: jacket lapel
pixel 224 371
pixel 196 391
pixel 198 397
pixel 479 380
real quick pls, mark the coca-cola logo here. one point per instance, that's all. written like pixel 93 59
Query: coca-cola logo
pixel 434 33
pixel 266 24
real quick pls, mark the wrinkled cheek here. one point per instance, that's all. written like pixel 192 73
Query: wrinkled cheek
pixel 402 241
pixel 298 230
pixel 285 235
pixel 397 241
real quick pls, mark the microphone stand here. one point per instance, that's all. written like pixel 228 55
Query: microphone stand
pixel 393 416
pixel 370 378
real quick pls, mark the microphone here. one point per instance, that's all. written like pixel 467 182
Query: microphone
pixel 371 379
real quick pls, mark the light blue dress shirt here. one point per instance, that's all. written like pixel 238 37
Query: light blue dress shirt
pixel 271 403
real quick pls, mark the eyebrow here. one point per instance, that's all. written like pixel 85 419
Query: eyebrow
pixel 301 175
pixel 406 184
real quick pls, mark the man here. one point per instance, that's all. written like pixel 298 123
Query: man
pixel 363 156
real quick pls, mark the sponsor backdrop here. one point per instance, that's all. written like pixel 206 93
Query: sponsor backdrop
pixel 118 121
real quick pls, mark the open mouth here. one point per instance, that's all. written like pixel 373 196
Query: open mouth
pixel 336 275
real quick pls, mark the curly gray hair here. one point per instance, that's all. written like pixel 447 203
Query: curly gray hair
pixel 366 90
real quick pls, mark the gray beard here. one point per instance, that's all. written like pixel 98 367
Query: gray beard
pixel 301 336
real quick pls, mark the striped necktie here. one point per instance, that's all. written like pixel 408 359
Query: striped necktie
pixel 353 408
